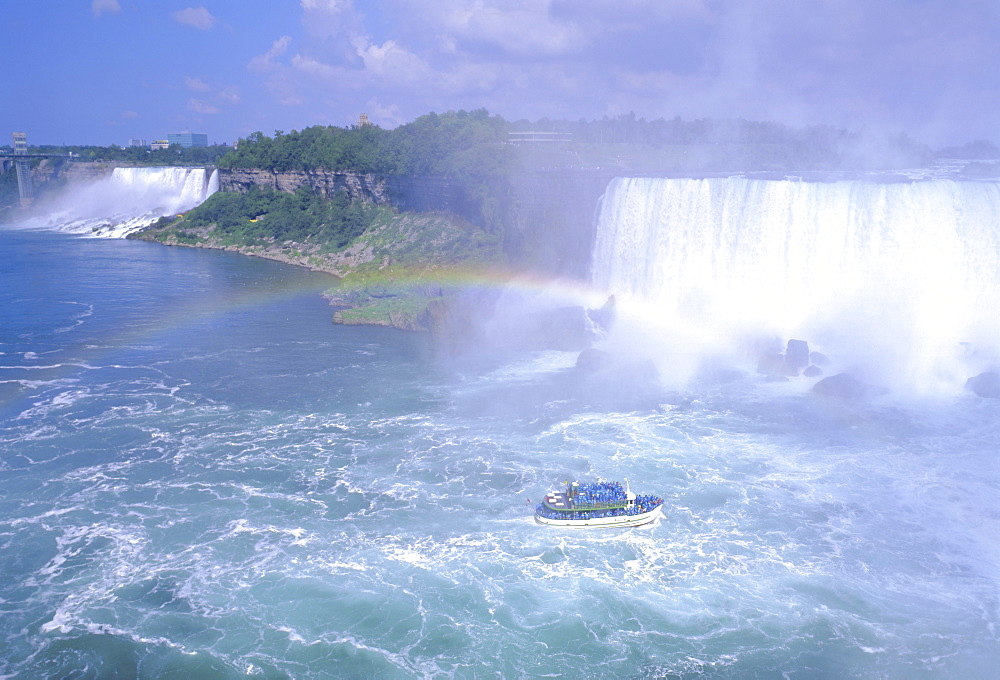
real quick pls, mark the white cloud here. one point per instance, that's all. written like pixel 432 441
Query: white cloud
pixel 383 115
pixel 199 17
pixel 520 27
pixel 314 67
pixel 196 84
pixel 391 61
pixel 840 62
pixel 326 5
pixel 230 95
pixel 331 18
pixel 201 106
pixel 99 7
pixel 285 92
pixel 267 61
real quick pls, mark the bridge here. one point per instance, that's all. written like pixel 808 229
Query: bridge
pixel 11 156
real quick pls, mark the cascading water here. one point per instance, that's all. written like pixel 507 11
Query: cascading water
pixel 125 201
pixel 899 281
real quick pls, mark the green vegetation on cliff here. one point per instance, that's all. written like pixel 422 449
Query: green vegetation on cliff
pixel 265 215
pixel 452 144
pixel 390 266
pixel 402 264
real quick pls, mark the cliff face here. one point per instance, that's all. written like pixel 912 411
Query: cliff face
pixel 409 194
pixel 430 194
pixel 364 187
pixel 549 221
pixel 546 218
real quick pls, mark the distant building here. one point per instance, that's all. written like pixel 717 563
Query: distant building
pixel 159 144
pixel 137 142
pixel 363 120
pixel 188 139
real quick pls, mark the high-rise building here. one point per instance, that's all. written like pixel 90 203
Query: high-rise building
pixel 188 139
pixel 137 142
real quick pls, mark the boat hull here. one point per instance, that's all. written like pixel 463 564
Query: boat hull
pixel 619 521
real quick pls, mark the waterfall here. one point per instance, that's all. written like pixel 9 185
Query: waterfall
pixel 900 280
pixel 125 201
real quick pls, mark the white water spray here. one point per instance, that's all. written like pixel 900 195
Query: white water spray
pixel 125 201
pixel 900 281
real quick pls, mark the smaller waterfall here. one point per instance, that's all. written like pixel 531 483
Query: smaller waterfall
pixel 125 201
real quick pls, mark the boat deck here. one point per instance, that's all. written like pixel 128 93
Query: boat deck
pixel 562 501
pixel 559 501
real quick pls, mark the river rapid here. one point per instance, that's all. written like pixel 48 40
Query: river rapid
pixel 202 476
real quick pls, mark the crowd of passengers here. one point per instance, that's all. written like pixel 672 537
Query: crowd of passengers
pixel 642 504
pixel 597 492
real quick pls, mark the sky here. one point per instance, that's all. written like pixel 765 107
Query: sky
pixel 107 71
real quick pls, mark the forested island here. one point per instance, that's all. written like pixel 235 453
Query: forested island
pixel 394 214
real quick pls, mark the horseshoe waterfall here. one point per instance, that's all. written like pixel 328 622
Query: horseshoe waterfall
pixel 897 282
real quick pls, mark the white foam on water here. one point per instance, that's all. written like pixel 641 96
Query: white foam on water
pixel 395 537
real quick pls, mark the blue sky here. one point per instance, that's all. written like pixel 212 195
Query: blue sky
pixel 105 71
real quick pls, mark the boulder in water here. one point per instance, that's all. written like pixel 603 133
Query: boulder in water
pixel 562 328
pixel 841 386
pixel 604 318
pixel 796 356
pixel 773 366
pixel 985 384
pixel 812 371
pixel 592 359
pixel 818 359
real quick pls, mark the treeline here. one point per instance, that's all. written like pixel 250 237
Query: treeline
pixel 453 143
pixel 263 215
pixel 790 147
pixel 629 129
pixel 175 154
pixel 473 146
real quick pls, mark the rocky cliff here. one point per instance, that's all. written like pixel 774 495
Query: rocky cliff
pixel 365 187
pixel 549 221
pixel 546 218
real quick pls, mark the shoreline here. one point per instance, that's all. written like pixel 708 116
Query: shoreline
pixel 378 297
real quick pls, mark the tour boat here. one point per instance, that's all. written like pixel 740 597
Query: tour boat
pixel 597 504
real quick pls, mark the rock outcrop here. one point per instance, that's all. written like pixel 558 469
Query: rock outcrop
pixel 796 356
pixel 841 386
pixel 793 362
pixel 985 384
pixel 604 318
pixel 364 187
